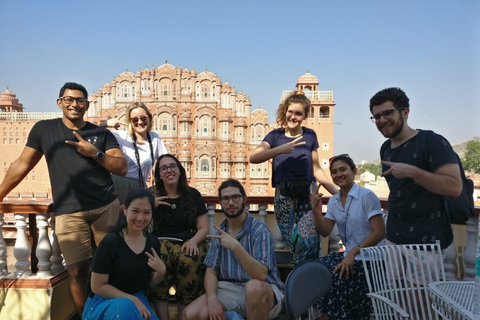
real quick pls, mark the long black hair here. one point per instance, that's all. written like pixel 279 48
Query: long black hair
pixel 186 201
pixel 133 195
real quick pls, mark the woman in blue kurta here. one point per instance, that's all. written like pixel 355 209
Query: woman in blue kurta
pixel 295 166
pixel 125 264
pixel 358 215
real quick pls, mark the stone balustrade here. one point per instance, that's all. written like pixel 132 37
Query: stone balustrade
pixel 37 253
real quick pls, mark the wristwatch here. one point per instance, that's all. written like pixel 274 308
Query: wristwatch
pixel 99 155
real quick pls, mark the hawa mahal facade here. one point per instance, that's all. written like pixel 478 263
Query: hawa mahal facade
pixel 205 123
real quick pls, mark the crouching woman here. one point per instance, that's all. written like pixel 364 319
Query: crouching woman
pixel 125 264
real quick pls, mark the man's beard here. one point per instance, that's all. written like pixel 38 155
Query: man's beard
pixel 236 214
pixel 397 129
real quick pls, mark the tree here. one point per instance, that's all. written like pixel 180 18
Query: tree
pixel 376 169
pixel 471 162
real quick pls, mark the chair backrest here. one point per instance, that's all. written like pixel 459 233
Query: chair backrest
pixel 401 274
pixel 308 282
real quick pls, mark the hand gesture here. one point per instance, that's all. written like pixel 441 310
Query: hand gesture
pixel 398 169
pixel 83 147
pixel 115 122
pixel 317 197
pixel 141 308
pixel 155 262
pixel 215 309
pixel 159 201
pixel 290 146
pixel 226 240
pixel 346 266
pixel 190 248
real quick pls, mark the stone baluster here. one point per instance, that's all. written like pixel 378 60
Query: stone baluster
pixel 334 240
pixel 22 247
pixel 449 261
pixel 211 218
pixel 44 248
pixel 279 242
pixel 470 249
pixel 262 212
pixel 3 249
pixel 57 259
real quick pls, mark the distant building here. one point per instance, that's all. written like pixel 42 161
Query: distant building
pixel 206 123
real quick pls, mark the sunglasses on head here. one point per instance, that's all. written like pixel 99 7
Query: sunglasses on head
pixel 339 157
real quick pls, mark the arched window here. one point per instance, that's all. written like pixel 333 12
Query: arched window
pixel 324 112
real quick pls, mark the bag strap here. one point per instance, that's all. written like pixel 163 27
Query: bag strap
pixel 137 156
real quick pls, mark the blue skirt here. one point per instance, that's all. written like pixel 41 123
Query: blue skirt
pixel 98 307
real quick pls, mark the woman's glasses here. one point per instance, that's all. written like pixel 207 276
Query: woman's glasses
pixel 165 168
pixel 339 157
pixel 142 118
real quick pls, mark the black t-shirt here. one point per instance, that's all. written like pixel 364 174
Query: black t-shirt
pixel 416 215
pixel 175 224
pixel 78 183
pixel 127 271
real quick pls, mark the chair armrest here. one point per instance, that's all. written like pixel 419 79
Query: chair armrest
pixel 389 304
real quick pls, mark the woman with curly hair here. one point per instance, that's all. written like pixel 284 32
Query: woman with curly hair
pixel 295 166
pixel 181 223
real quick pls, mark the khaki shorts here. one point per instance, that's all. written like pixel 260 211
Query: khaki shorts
pixel 74 231
pixel 233 298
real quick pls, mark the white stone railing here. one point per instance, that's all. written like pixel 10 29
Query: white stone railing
pixel 43 259
pixel 28 116
pixel 312 95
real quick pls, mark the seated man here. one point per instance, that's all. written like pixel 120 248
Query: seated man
pixel 241 274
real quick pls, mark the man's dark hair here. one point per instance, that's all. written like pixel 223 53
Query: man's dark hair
pixel 73 86
pixel 395 95
pixel 231 183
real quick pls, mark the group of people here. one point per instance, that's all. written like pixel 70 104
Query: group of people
pixel 127 236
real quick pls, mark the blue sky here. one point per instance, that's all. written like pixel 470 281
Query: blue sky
pixel 431 49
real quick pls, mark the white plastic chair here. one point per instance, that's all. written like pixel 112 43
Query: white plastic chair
pixel 308 282
pixel 395 283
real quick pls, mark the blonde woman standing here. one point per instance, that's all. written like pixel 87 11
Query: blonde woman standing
pixel 140 146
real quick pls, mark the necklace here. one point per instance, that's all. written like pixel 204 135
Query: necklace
pixel 173 206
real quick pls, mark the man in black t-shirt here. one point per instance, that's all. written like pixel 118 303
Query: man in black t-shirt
pixel 418 179
pixel 80 157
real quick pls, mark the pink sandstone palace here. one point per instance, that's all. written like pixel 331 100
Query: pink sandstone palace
pixel 206 123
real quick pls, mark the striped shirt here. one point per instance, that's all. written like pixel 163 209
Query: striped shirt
pixel 257 240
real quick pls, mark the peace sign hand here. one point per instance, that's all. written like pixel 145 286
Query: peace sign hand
pixel 226 240
pixel 83 147
pixel 317 197
pixel 290 146
pixel 155 262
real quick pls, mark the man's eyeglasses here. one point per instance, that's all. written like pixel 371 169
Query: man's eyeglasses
pixel 339 157
pixel 387 114
pixel 172 167
pixel 142 118
pixel 235 198
pixel 69 100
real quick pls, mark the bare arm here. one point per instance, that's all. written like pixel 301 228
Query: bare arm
pixel 114 160
pixel 254 268
pixel 377 234
pixel 320 175
pixel 324 225
pixel 445 181
pixel 264 152
pixel 191 247
pixel 214 306
pixel 19 169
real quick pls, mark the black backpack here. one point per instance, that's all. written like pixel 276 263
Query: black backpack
pixel 460 208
